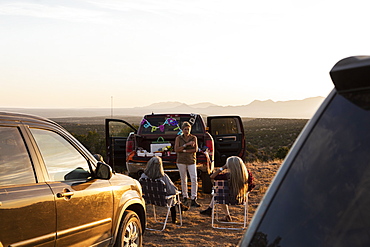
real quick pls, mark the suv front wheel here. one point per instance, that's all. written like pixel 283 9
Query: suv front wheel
pixel 130 233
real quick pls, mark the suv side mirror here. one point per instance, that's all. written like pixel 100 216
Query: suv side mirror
pixel 103 171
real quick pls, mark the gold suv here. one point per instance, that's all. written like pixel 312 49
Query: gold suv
pixel 53 192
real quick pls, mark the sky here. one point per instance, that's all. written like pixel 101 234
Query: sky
pixel 130 53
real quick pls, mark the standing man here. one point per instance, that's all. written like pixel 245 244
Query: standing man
pixel 186 146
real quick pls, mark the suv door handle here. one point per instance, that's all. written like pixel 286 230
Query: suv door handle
pixel 67 194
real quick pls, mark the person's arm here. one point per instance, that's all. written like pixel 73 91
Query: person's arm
pixel 178 148
pixel 143 176
pixel 193 143
pixel 170 186
pixel 215 173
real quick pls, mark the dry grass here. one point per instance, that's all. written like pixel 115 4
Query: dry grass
pixel 197 229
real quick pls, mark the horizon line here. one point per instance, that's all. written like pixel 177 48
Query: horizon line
pixel 107 107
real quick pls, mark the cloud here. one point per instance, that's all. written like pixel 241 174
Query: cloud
pixel 107 12
pixel 201 7
pixel 58 11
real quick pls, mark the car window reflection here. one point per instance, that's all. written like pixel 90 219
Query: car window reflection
pixel 15 163
pixel 62 160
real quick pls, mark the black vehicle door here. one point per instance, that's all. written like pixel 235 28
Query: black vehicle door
pixel 229 138
pixel 116 134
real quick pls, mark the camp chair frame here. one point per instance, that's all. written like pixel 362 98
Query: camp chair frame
pixel 221 195
pixel 154 193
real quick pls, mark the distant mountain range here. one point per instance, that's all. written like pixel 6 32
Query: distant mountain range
pixel 257 109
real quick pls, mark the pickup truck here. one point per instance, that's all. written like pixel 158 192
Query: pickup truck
pixel 129 149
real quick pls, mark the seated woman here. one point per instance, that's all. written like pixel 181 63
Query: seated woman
pixel 154 170
pixel 237 176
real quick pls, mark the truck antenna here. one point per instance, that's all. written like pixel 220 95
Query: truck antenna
pixel 111 106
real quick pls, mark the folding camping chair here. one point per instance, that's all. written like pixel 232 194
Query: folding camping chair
pixel 221 195
pixel 154 193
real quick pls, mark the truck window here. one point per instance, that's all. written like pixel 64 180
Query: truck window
pixel 118 129
pixel 169 125
pixel 224 126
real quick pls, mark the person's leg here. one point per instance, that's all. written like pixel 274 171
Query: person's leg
pixel 208 211
pixel 194 180
pixel 194 185
pixel 173 214
pixel 225 208
pixel 184 180
pixel 211 203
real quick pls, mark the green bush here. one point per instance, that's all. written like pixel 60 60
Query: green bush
pixel 281 153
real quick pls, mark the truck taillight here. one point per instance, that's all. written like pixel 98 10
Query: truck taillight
pixel 129 146
pixel 209 144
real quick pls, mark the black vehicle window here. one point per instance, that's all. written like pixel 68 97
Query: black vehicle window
pixel 197 127
pixel 324 199
pixel 170 125
pixel 15 163
pixel 119 129
pixel 62 160
pixel 224 126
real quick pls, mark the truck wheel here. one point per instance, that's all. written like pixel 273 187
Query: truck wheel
pixel 130 232
pixel 174 176
pixel 134 175
pixel 206 183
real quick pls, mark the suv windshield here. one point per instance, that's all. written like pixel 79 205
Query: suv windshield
pixel 169 125
pixel 324 199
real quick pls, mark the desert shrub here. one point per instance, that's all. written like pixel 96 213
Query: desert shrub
pixel 93 141
pixel 270 136
pixel 281 153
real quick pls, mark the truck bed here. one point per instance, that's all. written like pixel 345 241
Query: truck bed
pixel 143 152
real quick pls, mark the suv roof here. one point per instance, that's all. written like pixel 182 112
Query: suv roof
pixel 25 117
pixel 351 73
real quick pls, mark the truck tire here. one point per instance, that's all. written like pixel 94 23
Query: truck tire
pixel 206 183
pixel 174 176
pixel 134 175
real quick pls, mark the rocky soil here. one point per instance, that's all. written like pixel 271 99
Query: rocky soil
pixel 197 229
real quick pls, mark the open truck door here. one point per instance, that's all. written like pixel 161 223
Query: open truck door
pixel 116 134
pixel 228 136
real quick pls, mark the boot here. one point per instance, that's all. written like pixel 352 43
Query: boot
pixel 183 207
pixel 194 203
pixel 173 214
pixel 207 211
pixel 186 202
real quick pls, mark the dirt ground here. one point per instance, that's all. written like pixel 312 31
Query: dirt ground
pixel 197 229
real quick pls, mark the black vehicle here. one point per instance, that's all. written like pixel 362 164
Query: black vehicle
pixel 130 149
pixel 321 194
pixel 53 192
